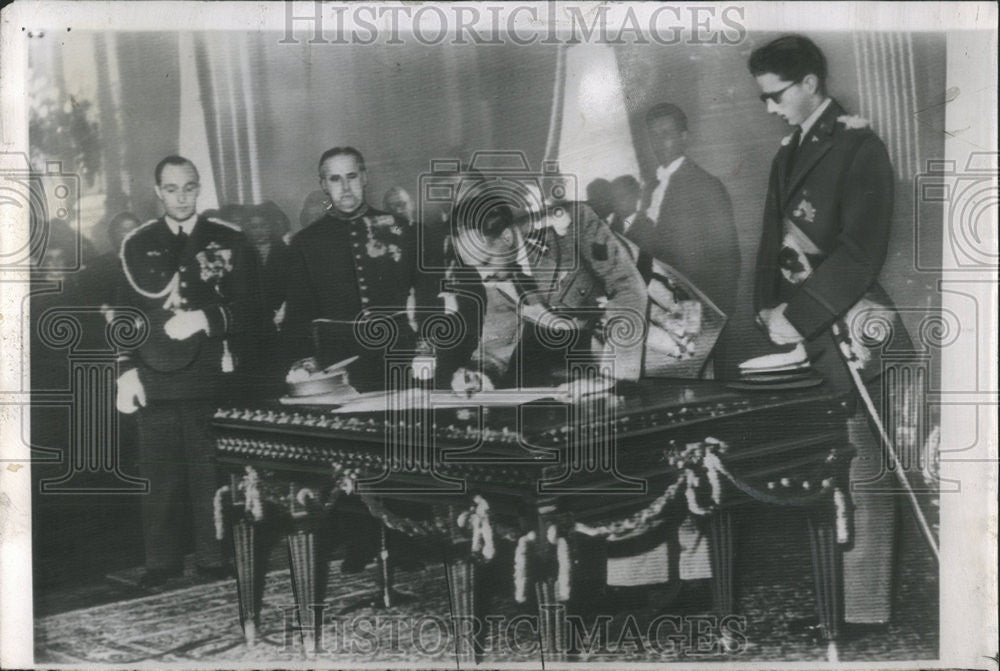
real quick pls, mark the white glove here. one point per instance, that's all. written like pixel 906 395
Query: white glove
pixel 450 302
pixel 468 382
pixel 279 315
pixel 131 394
pixel 185 324
pixel 779 329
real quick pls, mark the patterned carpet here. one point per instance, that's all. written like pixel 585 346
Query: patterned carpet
pixel 199 623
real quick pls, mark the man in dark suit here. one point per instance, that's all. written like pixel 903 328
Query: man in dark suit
pixel 825 235
pixel 688 218
pixel 195 281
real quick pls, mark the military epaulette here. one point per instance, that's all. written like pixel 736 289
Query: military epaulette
pixel 223 222
pixel 787 140
pixel 384 220
pixel 851 121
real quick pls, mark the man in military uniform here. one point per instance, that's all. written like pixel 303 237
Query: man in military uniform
pixel 546 274
pixel 826 230
pixel 353 263
pixel 195 281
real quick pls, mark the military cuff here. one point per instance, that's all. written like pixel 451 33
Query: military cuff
pixel 807 314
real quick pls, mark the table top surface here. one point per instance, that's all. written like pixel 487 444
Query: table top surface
pixel 629 405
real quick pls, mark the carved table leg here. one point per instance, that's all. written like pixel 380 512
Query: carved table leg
pixel 723 559
pixel 723 556
pixel 827 577
pixel 551 623
pixel 249 581
pixel 308 583
pixel 462 591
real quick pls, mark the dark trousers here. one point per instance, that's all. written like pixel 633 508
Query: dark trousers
pixel 175 455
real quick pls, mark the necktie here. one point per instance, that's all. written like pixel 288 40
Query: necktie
pixel 796 141
pixel 663 174
pixel 180 241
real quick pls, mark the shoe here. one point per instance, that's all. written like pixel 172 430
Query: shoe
pixel 221 572
pixel 156 577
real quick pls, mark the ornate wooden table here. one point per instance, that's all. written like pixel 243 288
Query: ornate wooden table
pixel 541 475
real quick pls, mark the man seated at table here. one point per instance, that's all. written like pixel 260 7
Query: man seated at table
pixel 548 274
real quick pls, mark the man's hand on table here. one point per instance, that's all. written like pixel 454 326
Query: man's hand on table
pixel 468 382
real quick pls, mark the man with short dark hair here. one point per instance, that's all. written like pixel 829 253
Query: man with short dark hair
pixel 599 198
pixel 195 281
pixel 545 273
pixel 687 219
pixel 625 194
pixel 825 234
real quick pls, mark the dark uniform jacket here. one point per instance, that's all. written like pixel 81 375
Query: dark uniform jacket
pixel 274 275
pixel 694 233
pixel 571 269
pixel 215 271
pixel 342 268
pixel 826 230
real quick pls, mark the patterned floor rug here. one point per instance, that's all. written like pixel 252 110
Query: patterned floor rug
pixel 199 624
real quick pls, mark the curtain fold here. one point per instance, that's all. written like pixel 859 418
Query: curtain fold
pixel 227 94
pixel 595 140
pixel 886 85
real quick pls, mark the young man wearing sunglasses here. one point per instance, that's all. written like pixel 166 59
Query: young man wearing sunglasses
pixel 825 234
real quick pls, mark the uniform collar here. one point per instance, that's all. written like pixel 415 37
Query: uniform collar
pixel 356 214
pixel 188 224
pixel 807 125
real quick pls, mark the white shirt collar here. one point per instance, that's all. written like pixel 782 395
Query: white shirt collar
pixel 628 221
pixel 663 173
pixel 175 225
pixel 811 121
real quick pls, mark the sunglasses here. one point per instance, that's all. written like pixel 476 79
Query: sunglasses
pixel 776 95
